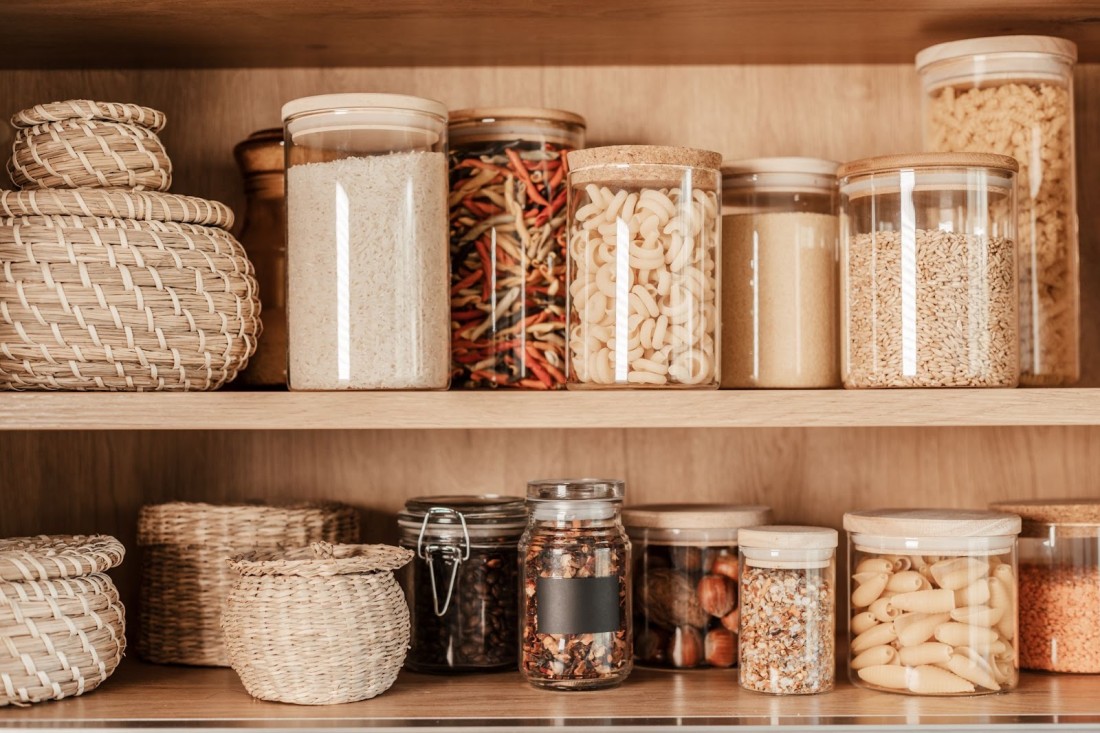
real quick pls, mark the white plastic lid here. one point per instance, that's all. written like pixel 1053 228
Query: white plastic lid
pixel 789 537
pixel 932 523
pixel 332 102
pixel 1045 45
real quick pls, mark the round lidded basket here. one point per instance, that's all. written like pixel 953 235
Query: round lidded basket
pixel 82 143
pixel 318 625
pixel 63 624
pixel 111 290
pixel 185 578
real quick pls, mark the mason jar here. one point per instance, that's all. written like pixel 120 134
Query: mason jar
pixel 576 599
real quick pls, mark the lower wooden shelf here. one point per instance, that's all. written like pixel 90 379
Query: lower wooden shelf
pixel 148 696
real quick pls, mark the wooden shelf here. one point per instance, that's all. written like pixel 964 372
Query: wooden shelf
pixel 286 33
pixel 239 410
pixel 149 696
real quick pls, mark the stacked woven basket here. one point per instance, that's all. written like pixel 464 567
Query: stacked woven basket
pixel 107 282
pixel 62 627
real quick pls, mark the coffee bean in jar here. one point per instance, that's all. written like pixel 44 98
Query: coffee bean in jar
pixel 463 585
pixel 686 607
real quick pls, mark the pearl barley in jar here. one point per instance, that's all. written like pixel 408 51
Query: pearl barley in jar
pixel 933 601
pixel 644 231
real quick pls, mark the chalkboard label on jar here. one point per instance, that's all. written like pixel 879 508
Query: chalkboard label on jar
pixel 578 605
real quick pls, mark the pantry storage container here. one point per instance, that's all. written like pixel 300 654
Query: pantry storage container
pixel 643 257
pixel 576 599
pixel 933 601
pixel 1059 584
pixel 1013 95
pixel 508 216
pixel 263 235
pixel 928 271
pixel 788 609
pixel 367 298
pixel 779 274
pixel 463 582
pixel 685 581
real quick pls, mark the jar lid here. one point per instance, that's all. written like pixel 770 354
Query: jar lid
pixel 643 155
pixel 1039 514
pixel 575 489
pixel 809 166
pixel 261 152
pixel 789 537
pixel 483 509
pixel 696 516
pixel 327 102
pixel 918 161
pixel 1045 45
pixel 46 557
pixel 535 114
pixel 931 523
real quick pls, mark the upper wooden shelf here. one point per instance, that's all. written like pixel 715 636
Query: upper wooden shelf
pixel 286 33
pixel 142 696
pixel 240 410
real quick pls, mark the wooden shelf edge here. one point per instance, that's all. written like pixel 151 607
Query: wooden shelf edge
pixel 240 410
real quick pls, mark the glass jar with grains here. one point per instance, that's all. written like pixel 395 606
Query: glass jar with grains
pixel 575 604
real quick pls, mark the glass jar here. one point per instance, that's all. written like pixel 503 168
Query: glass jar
pixel 685 581
pixel 1059 584
pixel 263 235
pixel 779 274
pixel 368 274
pixel 788 609
pixel 1013 95
pixel 644 231
pixel 933 601
pixel 576 595
pixel 508 195
pixel 463 584
pixel 928 271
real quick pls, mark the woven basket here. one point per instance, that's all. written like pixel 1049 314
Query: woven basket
pixel 185 577
pixel 117 290
pixel 62 626
pixel 81 143
pixel 319 625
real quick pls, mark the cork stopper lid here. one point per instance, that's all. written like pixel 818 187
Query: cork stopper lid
pixel 1038 515
pixel 1045 45
pixel 789 537
pixel 625 155
pixel 696 516
pixel 930 523
pixel 261 152
pixel 918 161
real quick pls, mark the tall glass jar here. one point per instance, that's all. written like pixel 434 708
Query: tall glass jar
pixel 368 274
pixel 263 234
pixel 685 581
pixel 644 279
pixel 928 271
pixel 463 583
pixel 933 601
pixel 507 201
pixel 576 598
pixel 779 274
pixel 788 609
pixel 1059 584
pixel 1013 95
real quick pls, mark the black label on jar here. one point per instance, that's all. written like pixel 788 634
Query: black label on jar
pixel 578 605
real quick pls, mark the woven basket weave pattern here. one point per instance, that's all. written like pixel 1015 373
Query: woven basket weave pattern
pixel 316 636
pixel 185 575
pixel 63 633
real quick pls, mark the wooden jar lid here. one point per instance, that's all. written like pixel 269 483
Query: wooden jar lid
pixel 789 537
pixel 261 152
pixel 930 523
pixel 534 114
pixel 696 516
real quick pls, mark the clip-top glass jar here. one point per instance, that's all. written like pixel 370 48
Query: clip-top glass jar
pixel 508 196
pixel 779 274
pixel 368 301
pixel 1059 584
pixel 685 581
pixel 463 583
pixel 928 271
pixel 933 601
pixel 643 258
pixel 576 586
pixel 1013 95
pixel 788 609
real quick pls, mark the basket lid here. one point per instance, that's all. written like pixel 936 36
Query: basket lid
pixel 322 559
pixel 789 537
pixel 1047 45
pixel 87 109
pixel 696 516
pixel 46 557
pixel 643 155
pixel 236 525
pixel 116 203
pixel 916 161
pixel 918 523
